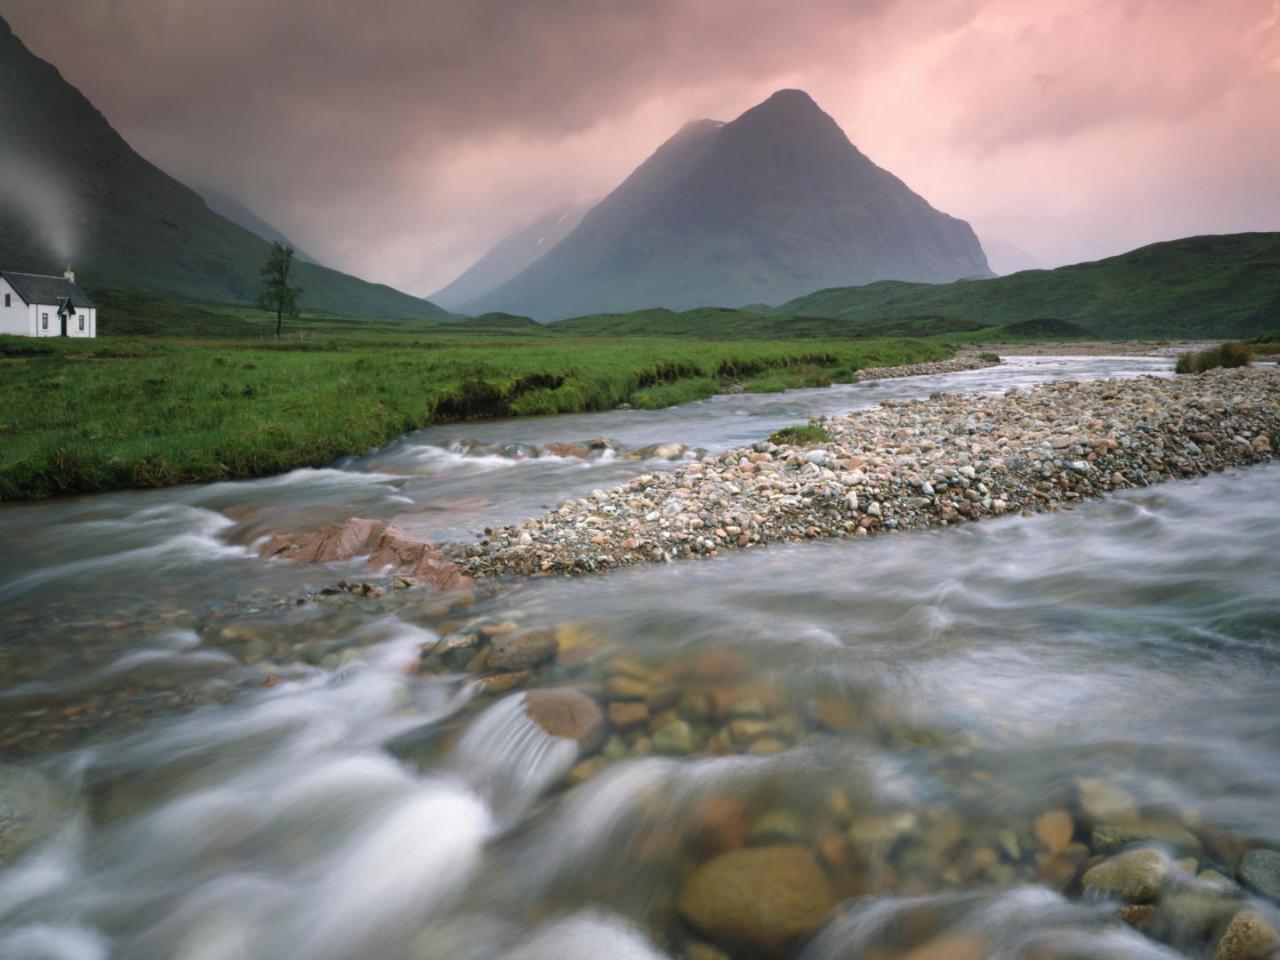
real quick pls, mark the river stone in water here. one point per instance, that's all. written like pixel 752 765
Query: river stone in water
pixel 1247 937
pixel 1112 836
pixel 569 713
pixel 1259 870
pixel 1136 875
pixel 760 898
pixel 521 651
pixel 31 809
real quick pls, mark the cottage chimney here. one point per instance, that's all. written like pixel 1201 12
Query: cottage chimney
pixel 69 274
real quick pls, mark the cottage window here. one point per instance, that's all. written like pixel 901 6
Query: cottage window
pixel 44 321
pixel 8 300
pixel 82 321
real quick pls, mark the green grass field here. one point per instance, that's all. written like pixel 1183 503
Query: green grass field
pixel 81 416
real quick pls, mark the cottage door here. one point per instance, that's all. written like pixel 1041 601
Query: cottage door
pixel 64 324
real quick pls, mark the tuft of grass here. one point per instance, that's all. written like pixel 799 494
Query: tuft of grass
pixel 800 435
pixel 1230 354
pixel 989 357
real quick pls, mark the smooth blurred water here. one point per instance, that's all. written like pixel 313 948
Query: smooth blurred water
pixel 202 768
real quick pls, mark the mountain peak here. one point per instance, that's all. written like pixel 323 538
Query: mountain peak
pixel 772 205
pixel 790 99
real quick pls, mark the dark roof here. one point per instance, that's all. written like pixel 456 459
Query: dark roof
pixel 34 288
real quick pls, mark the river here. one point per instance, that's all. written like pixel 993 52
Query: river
pixel 206 763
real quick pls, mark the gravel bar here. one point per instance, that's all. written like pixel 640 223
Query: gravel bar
pixel 907 465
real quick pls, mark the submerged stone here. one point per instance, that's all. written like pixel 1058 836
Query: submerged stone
pixel 765 899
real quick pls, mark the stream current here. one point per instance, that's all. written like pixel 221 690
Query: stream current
pixel 201 761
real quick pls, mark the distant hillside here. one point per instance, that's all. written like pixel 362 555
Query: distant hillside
pixel 772 205
pixel 494 323
pixel 1214 286
pixel 72 190
pixel 237 213
pixel 510 255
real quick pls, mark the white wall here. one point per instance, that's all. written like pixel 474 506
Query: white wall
pixel 14 319
pixel 23 320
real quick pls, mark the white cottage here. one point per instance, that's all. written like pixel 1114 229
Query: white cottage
pixel 32 305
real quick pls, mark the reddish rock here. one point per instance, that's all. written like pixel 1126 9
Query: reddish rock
pixel 625 714
pixel 334 541
pixel 569 713
pixel 385 546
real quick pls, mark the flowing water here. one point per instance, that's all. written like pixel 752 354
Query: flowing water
pixel 207 762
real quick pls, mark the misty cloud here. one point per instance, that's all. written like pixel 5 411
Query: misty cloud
pixel 42 200
pixel 398 139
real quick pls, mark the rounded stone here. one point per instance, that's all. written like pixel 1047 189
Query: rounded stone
pixel 1247 937
pixel 1135 875
pixel 568 713
pixel 1259 870
pixel 763 899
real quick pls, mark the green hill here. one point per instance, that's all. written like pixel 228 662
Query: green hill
pixel 72 190
pixel 1212 286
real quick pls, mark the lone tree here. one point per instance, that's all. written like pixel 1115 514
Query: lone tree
pixel 276 293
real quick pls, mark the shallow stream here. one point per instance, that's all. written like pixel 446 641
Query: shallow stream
pixel 206 762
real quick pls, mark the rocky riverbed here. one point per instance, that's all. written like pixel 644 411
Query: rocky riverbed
pixel 941 461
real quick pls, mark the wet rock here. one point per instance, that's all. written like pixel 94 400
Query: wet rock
pixel 1112 836
pixel 521 651
pixel 1140 916
pixel 676 738
pixel 32 807
pixel 695 950
pixel 384 545
pixel 1248 937
pixel 1135 875
pixel 1104 802
pixel 777 826
pixel 628 714
pixel 569 713
pixel 1196 910
pixel 335 541
pixel 952 946
pixel 763 899
pixel 1259 870
pixel 496 683
pixel 1054 830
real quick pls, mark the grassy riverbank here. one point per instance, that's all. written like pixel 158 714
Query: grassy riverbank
pixel 83 416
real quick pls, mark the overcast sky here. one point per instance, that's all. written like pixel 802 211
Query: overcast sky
pixel 397 139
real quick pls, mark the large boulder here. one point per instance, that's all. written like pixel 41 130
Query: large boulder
pixel 332 542
pixel 386 546
pixel 763 900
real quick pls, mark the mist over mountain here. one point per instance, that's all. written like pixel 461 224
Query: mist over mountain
pixel 510 255
pixel 73 191
pixel 773 205
pixel 233 210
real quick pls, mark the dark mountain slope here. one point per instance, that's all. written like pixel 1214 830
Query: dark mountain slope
pixel 72 190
